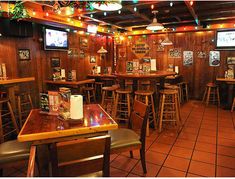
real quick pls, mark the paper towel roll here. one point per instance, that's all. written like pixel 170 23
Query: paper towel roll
pixel 177 69
pixel 76 107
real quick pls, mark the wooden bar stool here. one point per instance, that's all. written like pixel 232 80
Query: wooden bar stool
pixel 24 105
pixel 169 107
pixel 89 92
pixel 184 91
pixel 108 98
pixel 144 95
pixel 122 105
pixel 211 94
pixel 7 125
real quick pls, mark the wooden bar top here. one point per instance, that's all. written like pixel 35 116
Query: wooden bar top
pixel 226 79
pixel 173 77
pixel 60 82
pixel 43 127
pixel 16 80
pixel 144 75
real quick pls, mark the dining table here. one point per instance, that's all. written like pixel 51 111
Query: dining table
pixel 230 82
pixel 135 77
pixel 42 130
pixel 11 85
pixel 54 85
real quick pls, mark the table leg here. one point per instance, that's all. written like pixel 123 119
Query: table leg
pixel 43 160
pixel 122 83
pixel 162 82
pixel 135 85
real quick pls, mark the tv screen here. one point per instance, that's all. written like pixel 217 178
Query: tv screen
pixel 225 39
pixel 55 39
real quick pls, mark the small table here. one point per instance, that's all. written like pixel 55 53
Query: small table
pixel 230 82
pixel 42 130
pixel 75 84
pixel 10 84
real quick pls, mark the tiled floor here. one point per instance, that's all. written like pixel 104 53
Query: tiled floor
pixel 205 146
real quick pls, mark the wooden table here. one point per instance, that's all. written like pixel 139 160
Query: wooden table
pixel 101 76
pixel 42 130
pixel 10 84
pixel 143 76
pixel 230 82
pixel 74 84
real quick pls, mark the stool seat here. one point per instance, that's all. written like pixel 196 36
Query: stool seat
pixel 88 88
pixel 171 87
pixel 99 83
pixel 13 150
pixel 144 92
pixel 213 85
pixel 108 88
pixel 168 91
pixel 123 91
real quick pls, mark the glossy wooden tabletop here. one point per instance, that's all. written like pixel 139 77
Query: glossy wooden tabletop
pixel 16 80
pixel 43 127
pixel 60 82
pixel 144 75
pixel 226 79
pixel 101 76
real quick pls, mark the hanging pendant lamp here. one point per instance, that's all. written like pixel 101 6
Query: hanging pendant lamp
pixel 108 5
pixel 155 25
pixel 102 50
pixel 166 41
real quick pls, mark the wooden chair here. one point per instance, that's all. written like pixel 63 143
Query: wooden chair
pixel 78 158
pixel 12 151
pixel 89 92
pixel 126 139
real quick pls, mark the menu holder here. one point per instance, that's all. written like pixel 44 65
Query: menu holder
pixel 44 102
pixel 53 102
pixel 64 98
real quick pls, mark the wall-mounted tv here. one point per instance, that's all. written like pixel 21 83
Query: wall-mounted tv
pixel 225 39
pixel 55 39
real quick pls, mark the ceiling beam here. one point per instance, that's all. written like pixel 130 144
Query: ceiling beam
pixel 191 10
pixel 138 14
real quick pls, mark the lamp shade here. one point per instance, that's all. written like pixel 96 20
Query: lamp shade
pixel 166 41
pixel 102 50
pixel 108 6
pixel 155 25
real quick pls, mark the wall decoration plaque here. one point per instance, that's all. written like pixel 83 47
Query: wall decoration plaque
pixel 129 67
pixel 174 53
pixel 24 54
pixel 231 60
pixel 201 54
pixel 140 49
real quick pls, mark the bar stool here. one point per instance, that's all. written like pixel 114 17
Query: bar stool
pixel 108 100
pixel 7 125
pixel 89 91
pixel 144 85
pixel 144 95
pixel 211 91
pixel 233 105
pixel 169 107
pixel 24 105
pixel 122 105
pixel 183 90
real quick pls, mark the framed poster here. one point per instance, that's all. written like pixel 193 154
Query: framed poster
pixel 214 58
pixel 188 58
pixel 92 59
pixel 55 62
pixel 231 60
pixel 24 54
pixel 174 53
pixel 201 54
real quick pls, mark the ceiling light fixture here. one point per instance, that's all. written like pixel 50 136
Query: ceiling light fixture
pixel 102 50
pixel 155 25
pixel 108 6
pixel 166 41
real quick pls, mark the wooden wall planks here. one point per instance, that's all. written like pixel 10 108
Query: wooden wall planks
pixel 40 66
pixel 199 73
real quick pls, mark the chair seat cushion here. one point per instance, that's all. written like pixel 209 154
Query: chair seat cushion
pixel 123 138
pixel 13 150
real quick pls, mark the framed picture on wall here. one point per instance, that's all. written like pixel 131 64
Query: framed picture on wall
pixel 231 60
pixel 92 59
pixel 55 62
pixel 214 58
pixel 24 54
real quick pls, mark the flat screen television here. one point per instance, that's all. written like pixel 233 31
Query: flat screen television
pixel 225 39
pixel 55 39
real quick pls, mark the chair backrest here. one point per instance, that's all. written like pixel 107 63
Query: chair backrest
pixel 80 157
pixel 138 118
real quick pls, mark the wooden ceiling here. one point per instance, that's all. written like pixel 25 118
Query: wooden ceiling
pixel 182 13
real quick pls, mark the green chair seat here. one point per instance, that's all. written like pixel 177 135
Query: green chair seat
pixel 123 138
pixel 13 150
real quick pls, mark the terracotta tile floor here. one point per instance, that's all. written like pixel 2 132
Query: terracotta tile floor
pixel 204 146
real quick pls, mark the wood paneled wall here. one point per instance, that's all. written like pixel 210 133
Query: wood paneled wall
pixel 199 74
pixel 39 65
